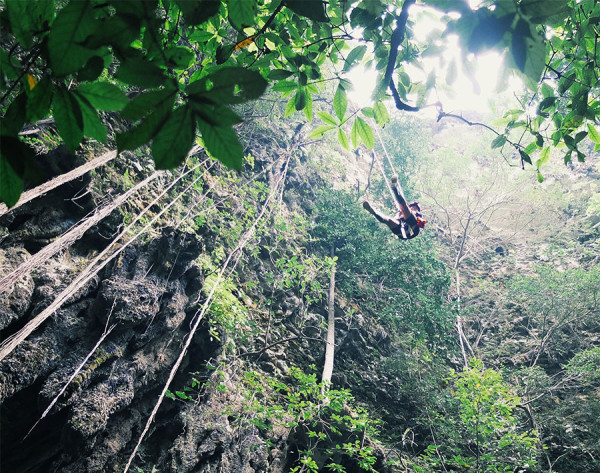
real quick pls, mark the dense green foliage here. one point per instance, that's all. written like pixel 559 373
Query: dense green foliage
pixel 378 268
pixel 173 68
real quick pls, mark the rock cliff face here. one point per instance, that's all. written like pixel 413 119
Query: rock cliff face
pixel 102 359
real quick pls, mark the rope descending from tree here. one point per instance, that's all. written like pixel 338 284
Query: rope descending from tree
pixel 10 343
pixel 199 316
pixel 381 168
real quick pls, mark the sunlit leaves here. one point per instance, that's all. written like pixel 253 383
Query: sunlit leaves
pixel 381 114
pixel 354 57
pixel 340 102
pixel 593 133
pixel 499 141
pixel 544 157
pixel 327 118
pixel 361 131
pixel 320 130
pixel 222 143
pixel 343 139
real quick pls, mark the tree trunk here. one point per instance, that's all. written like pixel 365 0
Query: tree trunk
pixel 329 348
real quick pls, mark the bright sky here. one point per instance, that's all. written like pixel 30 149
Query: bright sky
pixel 463 95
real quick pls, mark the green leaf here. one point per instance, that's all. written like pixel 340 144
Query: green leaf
pixel 103 95
pixel 544 157
pixel 547 91
pixel 224 52
pixel 290 107
pixel 180 57
pixel 92 69
pixel 223 144
pixel 92 126
pixel 13 156
pixel 144 103
pixel 368 112
pixel 354 57
pixel 74 23
pixel 139 72
pixel 343 138
pixel 146 130
pixel 173 142
pixel 40 99
pixel 535 62
pixel 230 85
pixel 365 132
pixel 381 114
pixel 545 11
pixel 566 82
pixel 197 12
pixel 354 135
pixel 241 13
pixel 14 119
pixel 279 74
pixel 340 102
pixel 319 131
pixel 488 30
pixel 27 18
pixel 525 157
pixel 285 87
pixel 312 9
pixel 580 136
pixel 216 115
pixel 498 142
pixel 519 50
pixel 540 178
pixel 300 99
pixel 68 117
pixel 547 102
pixel 569 141
pixel 593 133
pixel 327 118
pixel 308 109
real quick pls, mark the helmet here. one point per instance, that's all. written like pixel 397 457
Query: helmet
pixel 415 204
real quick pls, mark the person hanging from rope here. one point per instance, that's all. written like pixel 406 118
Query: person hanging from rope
pixel 408 222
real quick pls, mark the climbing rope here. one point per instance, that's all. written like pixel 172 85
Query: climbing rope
pixel 381 167
pixel 199 315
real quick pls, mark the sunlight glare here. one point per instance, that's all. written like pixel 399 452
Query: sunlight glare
pixel 363 80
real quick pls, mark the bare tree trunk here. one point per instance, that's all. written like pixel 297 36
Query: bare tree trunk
pixel 71 236
pixel 329 348
pixel 60 180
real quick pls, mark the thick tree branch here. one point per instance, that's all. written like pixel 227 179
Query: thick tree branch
pixel 397 38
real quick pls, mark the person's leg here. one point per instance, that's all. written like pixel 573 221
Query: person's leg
pixel 389 221
pixel 400 200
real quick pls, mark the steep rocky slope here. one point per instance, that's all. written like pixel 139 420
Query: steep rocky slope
pixel 102 359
